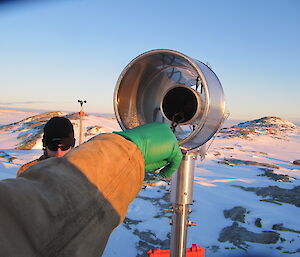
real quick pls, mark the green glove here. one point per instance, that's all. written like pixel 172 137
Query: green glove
pixel 158 145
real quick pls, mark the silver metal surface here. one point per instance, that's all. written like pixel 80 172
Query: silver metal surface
pixel 145 82
pixel 181 197
pixel 183 180
pixel 179 230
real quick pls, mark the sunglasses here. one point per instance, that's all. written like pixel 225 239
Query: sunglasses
pixel 55 147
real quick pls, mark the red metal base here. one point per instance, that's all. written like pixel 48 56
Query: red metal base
pixel 194 251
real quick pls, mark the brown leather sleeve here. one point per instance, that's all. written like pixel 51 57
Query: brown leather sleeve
pixel 115 165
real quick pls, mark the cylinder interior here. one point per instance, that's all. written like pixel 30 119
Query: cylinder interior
pixel 179 105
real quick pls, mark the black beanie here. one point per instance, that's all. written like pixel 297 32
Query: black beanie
pixel 58 130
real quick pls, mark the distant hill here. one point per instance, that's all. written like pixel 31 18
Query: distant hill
pixel 273 126
pixel 30 129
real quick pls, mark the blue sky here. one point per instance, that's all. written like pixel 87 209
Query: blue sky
pixel 57 51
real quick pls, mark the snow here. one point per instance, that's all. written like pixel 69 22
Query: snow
pixel 217 187
pixel 10 116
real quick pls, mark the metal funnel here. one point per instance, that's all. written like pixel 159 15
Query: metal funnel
pixel 170 87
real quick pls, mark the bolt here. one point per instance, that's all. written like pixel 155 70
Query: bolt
pixel 190 223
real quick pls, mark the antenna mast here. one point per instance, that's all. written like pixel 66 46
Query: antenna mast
pixel 81 114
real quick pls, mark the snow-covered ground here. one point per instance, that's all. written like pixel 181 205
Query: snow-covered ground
pixel 246 192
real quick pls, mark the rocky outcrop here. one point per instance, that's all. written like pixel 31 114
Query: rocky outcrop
pixel 277 194
pixel 147 238
pixel 276 177
pixel 74 116
pixel 296 162
pixel 236 214
pixel 94 130
pixel 272 126
pixel 257 222
pixel 239 235
pixel 233 161
pixel 280 227
pixel 31 128
pixel 7 156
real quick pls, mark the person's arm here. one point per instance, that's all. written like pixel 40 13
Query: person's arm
pixel 69 206
pixel 158 145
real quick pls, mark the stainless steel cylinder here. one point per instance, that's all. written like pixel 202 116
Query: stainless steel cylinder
pixel 181 196
pixel 167 86
pixel 179 230
pixel 183 180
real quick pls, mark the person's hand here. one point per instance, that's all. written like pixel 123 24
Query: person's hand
pixel 159 147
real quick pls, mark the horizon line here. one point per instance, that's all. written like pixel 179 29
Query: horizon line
pixel 294 120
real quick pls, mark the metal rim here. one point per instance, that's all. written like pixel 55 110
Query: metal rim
pixel 193 65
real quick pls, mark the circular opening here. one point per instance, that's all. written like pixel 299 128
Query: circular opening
pixel 179 105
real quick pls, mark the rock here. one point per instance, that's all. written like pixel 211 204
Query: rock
pixel 280 227
pixel 11 159
pixel 21 136
pixel 258 223
pixel 214 248
pixel 225 162
pixel 296 162
pixel 7 156
pixel 216 153
pixel 127 223
pixel 291 196
pixel 31 139
pixel 3 154
pixel 277 177
pixel 239 235
pixel 74 116
pixel 232 161
pixel 236 214
pixel 94 130
pixel 148 240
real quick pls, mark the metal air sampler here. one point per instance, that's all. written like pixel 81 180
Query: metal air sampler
pixel 168 86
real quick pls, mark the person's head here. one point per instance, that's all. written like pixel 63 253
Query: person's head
pixel 58 137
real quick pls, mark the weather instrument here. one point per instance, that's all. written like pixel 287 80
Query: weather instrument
pixel 167 86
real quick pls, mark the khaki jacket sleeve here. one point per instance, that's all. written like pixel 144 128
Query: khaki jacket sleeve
pixel 114 165
pixel 69 206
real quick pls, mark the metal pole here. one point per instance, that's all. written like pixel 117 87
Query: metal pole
pixel 80 128
pixel 81 114
pixel 181 197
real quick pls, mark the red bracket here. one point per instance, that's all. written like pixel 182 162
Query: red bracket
pixel 81 113
pixel 194 251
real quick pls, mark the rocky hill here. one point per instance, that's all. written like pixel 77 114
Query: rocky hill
pixel 272 126
pixel 31 129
